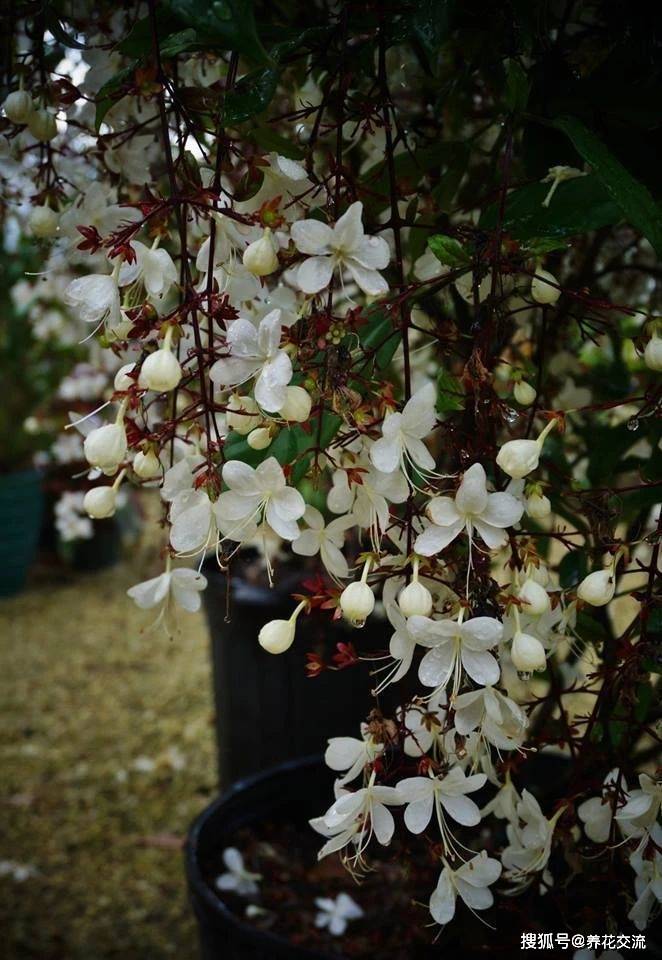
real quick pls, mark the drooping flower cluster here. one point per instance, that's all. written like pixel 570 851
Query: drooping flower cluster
pixel 300 372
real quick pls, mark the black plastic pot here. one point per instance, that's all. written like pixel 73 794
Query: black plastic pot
pixel 21 505
pixel 267 709
pixel 293 791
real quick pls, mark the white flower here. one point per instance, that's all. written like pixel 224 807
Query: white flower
pixel 341 247
pixel 597 813
pixel 653 352
pixel 500 720
pixel 238 879
pixel 427 795
pixel 351 755
pixel 402 434
pixel 96 299
pixel 193 526
pixel 545 287
pixel 415 600
pixel 355 817
pixel 43 222
pixel 100 502
pixel 530 839
pixel 335 914
pixel 18 106
pixel 297 406
pixel 368 497
pixel 455 645
pixel 184 585
pixel 327 540
pixel 424 725
pixel 161 370
pixel 147 465
pixel 598 588
pixel 470 882
pixel 105 447
pixel 261 257
pixel 527 652
pixel 648 882
pixel 642 807
pixel 534 597
pixel 524 393
pixel 277 636
pixel 556 175
pixel 155 267
pixel 242 414
pixel 473 509
pixel 255 493
pixel 357 601
pixel 518 458
pixel 255 352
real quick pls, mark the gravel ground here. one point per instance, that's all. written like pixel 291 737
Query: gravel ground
pixel 106 755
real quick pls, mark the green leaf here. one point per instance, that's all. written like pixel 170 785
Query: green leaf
pixel 409 169
pixel 251 96
pixel 271 142
pixel 431 24
pixel 539 246
pixel 632 197
pixel 107 95
pixel 181 42
pixel 578 206
pixel 518 87
pixel 450 393
pixel 448 251
pixel 54 25
pixel 380 334
pixel 572 569
pixel 223 24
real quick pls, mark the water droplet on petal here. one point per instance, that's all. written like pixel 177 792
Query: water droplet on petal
pixel 633 424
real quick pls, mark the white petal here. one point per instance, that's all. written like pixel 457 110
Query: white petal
pixel 371 282
pixel 311 237
pixel 289 504
pixel 419 813
pixel 481 667
pixel 502 510
pixel 372 252
pixel 434 538
pixel 471 496
pixel 493 537
pixel 149 593
pixel 385 454
pixel 383 823
pixel 478 898
pixel 442 901
pixel 461 809
pixel 348 231
pixel 481 633
pixel 315 274
pixel 240 477
pixel 343 752
pixel 442 511
pixel 436 666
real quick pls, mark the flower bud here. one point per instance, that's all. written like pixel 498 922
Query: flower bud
pixel 518 458
pixel 259 439
pixel 277 636
pixel 106 446
pixel 43 222
pixel 598 588
pixel 100 502
pixel 242 414
pixel 653 353
pixel 18 106
pixel 146 465
pixel 357 601
pixel 42 125
pixel 535 598
pixel 528 653
pixel 297 406
pixel 415 600
pixel 160 371
pixel 538 506
pixel 524 393
pixel 122 379
pixel 544 288
pixel 260 257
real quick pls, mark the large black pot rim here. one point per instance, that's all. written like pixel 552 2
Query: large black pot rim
pixel 197 882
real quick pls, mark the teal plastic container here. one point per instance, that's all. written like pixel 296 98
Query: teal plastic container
pixel 21 509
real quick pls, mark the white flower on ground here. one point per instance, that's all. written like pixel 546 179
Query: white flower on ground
pixel 597 813
pixel 96 299
pixel 498 718
pixel 255 352
pixel 325 539
pixel 530 840
pixel 19 872
pixel 335 914
pixel 183 584
pixel 456 645
pixel 256 493
pixel 351 755
pixel 155 267
pixel 441 795
pixel 237 879
pixel 470 882
pixel 401 443
pixel 648 882
pixel 473 509
pixel 341 247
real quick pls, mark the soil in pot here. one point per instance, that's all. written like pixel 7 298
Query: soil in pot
pixel 266 819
